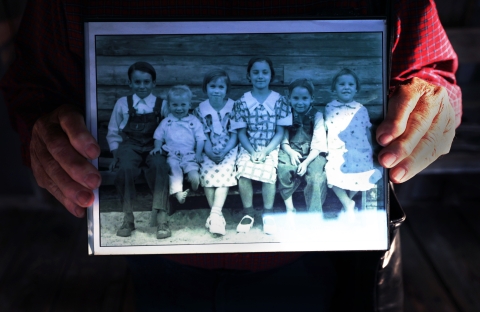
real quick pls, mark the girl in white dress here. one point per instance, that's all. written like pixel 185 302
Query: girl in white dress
pixel 217 171
pixel 349 165
pixel 260 117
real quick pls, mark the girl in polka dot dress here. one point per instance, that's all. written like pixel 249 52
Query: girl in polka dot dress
pixel 217 171
pixel 349 165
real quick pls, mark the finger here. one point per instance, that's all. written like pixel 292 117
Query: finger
pixel 436 142
pixel 46 182
pixel 419 123
pixel 400 106
pixel 74 126
pixel 73 191
pixel 59 147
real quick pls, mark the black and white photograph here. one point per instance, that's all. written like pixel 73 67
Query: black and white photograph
pixel 237 136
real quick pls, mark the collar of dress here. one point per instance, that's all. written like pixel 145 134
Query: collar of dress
pixel 269 102
pixel 217 124
pixel 352 104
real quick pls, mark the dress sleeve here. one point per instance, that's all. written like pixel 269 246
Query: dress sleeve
pixel 240 115
pixel 46 72
pixel 197 113
pixel 319 139
pixel 422 50
pixel 283 112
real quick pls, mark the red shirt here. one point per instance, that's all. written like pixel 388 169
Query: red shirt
pixel 49 68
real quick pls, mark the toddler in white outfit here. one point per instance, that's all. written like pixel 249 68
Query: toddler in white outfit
pixel 181 136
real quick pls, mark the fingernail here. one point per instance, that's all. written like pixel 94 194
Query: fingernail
pixel 398 174
pixel 79 212
pixel 385 139
pixel 92 151
pixel 83 198
pixel 92 180
pixel 388 159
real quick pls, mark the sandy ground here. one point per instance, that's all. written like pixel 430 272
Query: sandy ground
pixel 188 227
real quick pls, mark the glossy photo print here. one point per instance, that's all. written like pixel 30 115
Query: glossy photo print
pixel 237 136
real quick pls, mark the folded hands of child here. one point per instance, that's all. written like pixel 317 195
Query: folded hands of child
pixel 258 157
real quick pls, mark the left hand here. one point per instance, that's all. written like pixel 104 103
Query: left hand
pixel 199 158
pixel 419 127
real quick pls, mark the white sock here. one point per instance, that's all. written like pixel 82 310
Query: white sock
pixel 217 210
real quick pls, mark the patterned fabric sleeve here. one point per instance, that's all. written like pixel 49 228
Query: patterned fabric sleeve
pixel 283 112
pixel 198 114
pixel 240 112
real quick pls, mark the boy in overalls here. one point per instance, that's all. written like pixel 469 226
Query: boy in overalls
pixel 302 155
pixel 130 138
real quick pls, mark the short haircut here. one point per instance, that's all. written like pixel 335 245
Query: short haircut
pixel 143 67
pixel 179 90
pixel 346 71
pixel 213 75
pixel 266 59
pixel 302 83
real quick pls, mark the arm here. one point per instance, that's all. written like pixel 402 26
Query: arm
pixel 274 142
pixel 232 142
pixel 157 147
pixel 242 137
pixel 198 150
pixel 425 103
pixel 285 145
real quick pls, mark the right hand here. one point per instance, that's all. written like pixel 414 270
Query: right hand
pixel 294 157
pixel 60 148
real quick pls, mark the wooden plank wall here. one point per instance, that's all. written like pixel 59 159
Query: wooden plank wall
pixel 185 59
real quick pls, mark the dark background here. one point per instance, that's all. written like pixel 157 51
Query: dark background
pixel 43 261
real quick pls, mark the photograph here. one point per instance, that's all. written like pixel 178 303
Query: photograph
pixel 237 136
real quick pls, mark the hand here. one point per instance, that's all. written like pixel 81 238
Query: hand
pixel 259 157
pixel 219 156
pixel 60 147
pixel 199 158
pixel 294 157
pixel 114 162
pixel 156 150
pixel 302 168
pixel 419 127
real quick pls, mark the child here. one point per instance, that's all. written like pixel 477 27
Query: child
pixel 181 135
pixel 130 137
pixel 260 117
pixel 300 155
pixel 218 166
pixel 349 165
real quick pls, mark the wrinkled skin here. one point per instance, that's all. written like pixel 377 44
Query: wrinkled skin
pixel 60 147
pixel 419 127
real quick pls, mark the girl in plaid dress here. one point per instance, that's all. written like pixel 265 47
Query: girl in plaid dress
pixel 217 171
pixel 260 117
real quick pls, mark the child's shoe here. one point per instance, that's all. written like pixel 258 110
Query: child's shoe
pixel 163 230
pixel 269 224
pixel 216 224
pixel 126 229
pixel 245 227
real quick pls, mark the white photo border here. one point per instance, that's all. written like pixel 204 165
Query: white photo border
pixel 102 28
